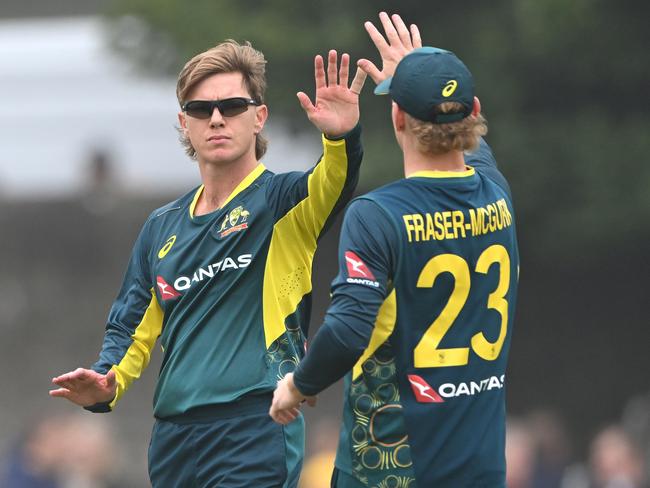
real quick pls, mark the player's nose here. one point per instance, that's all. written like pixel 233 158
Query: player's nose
pixel 216 119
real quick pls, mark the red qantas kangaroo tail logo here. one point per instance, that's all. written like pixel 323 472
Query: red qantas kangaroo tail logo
pixel 423 391
pixel 167 291
pixel 356 267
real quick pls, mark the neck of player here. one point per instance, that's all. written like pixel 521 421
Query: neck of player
pixel 220 180
pixel 416 160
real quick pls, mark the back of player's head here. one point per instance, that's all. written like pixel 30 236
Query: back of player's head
pixel 436 91
pixel 226 57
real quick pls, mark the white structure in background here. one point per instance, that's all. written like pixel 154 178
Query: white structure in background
pixel 65 94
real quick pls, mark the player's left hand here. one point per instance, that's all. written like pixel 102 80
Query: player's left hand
pixel 286 401
pixel 336 107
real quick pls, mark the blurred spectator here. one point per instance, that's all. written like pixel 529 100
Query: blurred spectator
pixel 636 421
pixel 615 461
pixel 318 467
pixel 33 463
pixel 71 451
pixel 99 194
pixel 552 448
pixel 520 454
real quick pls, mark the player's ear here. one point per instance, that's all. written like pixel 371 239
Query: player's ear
pixel 477 107
pixel 182 121
pixel 261 114
pixel 398 116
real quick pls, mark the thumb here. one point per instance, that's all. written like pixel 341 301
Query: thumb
pixel 305 102
pixel 371 70
pixel 110 379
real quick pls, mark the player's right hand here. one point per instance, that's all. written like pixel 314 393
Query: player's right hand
pixel 399 41
pixel 85 387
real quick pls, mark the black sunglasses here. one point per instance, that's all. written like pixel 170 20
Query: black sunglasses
pixel 229 107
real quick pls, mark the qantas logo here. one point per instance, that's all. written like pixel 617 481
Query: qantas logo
pixel 167 292
pixel 356 267
pixel 425 393
pixel 182 283
pixel 358 272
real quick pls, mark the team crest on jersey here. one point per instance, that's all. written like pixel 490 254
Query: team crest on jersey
pixel 235 221
pixel 167 291
pixel 358 272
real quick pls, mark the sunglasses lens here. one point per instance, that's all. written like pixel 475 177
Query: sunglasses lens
pixel 199 109
pixel 233 106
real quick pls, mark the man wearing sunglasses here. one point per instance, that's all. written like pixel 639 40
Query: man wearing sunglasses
pixel 223 276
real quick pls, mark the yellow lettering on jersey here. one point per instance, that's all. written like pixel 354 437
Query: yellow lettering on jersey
pixel 408 223
pixel 457 224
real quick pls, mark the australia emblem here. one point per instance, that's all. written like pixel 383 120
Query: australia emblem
pixel 235 221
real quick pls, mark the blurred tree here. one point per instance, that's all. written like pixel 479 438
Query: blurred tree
pixel 562 84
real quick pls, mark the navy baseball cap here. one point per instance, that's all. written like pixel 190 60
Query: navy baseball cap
pixel 427 77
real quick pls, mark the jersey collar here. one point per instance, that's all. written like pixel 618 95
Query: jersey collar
pixel 243 184
pixel 469 171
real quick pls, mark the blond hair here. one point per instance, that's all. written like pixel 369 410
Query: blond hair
pixel 463 135
pixel 227 57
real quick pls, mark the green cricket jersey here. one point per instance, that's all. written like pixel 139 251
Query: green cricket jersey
pixel 228 293
pixel 422 315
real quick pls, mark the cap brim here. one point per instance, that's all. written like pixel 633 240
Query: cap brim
pixel 384 87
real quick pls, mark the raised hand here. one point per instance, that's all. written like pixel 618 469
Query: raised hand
pixel 336 107
pixel 85 387
pixel 287 400
pixel 399 41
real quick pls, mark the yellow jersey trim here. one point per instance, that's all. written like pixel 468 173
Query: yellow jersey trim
pixel 443 174
pixel 384 326
pixel 138 354
pixel 287 275
pixel 243 184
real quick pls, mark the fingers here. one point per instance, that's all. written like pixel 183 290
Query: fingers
pixel 332 62
pixel 60 392
pixel 371 70
pixel 402 32
pixel 389 28
pixel 284 417
pixel 376 37
pixel 415 36
pixel 344 70
pixel 358 81
pixel 319 72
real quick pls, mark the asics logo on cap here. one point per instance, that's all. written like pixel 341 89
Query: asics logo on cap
pixel 450 88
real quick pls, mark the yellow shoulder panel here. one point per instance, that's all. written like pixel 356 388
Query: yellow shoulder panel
pixel 287 276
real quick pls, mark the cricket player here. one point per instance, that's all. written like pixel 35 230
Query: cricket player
pixel 422 309
pixel 223 277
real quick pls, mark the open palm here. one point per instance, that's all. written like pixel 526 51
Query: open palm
pixel 336 107
pixel 85 387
